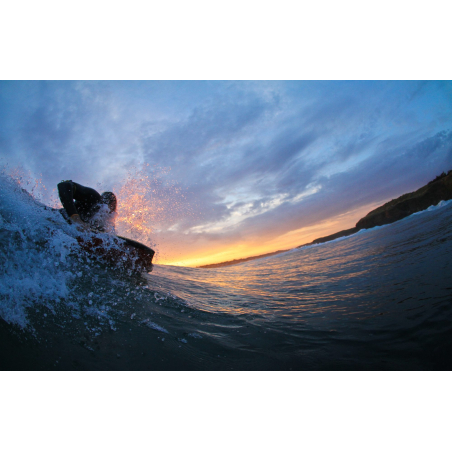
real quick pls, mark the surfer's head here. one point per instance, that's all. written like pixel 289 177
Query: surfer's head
pixel 109 198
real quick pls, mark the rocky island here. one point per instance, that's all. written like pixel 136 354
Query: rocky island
pixel 439 189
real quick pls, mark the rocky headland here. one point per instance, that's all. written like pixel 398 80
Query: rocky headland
pixel 439 189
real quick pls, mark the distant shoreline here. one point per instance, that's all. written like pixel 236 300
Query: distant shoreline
pixel 439 189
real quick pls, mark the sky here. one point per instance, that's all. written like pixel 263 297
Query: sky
pixel 232 169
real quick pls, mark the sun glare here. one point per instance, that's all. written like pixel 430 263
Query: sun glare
pixel 148 202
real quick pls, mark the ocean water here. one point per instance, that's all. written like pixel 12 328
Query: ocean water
pixel 378 300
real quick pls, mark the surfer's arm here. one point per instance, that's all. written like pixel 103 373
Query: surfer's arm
pixel 66 194
pixel 110 221
pixel 80 224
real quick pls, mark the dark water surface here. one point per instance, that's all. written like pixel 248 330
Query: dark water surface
pixel 378 300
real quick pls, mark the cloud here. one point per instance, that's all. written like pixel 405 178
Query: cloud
pixel 251 159
pixel 206 133
pixel 385 174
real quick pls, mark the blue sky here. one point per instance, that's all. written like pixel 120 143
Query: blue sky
pixel 250 161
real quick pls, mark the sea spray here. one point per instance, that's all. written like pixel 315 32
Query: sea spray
pixel 33 254
pixel 149 204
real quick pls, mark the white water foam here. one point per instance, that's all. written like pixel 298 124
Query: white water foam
pixel 32 254
pixel 41 263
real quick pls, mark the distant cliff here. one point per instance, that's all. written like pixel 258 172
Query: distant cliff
pixel 439 189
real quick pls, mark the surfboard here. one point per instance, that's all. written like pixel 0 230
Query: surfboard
pixel 120 252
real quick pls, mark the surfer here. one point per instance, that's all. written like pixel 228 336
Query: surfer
pixel 86 208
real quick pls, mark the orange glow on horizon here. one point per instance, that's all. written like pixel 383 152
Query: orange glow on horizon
pixel 287 241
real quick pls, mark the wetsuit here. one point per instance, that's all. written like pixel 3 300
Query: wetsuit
pixel 87 203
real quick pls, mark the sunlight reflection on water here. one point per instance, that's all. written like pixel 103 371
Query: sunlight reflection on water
pixel 375 274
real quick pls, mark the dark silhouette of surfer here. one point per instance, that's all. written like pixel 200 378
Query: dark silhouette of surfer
pixel 88 209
